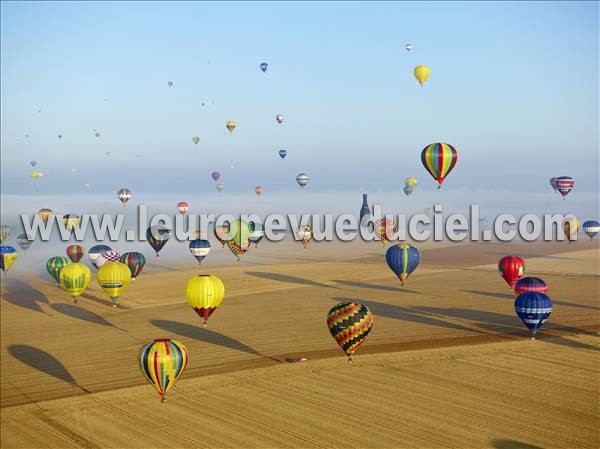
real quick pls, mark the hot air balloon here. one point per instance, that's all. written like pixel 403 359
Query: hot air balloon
pixel 534 309
pixel 23 242
pixel 60 136
pixel 162 362
pixel 403 259
pixel 256 236
pixel 95 251
pixel 113 277
pixel 124 195
pixel 383 228
pixel 564 184
pixel 258 190
pixel 553 184
pixel 35 175
pixel 512 268
pixel 221 234
pixel 439 159
pixel 421 73
pixel 97 134
pixel 408 47
pixel 279 118
pixel 263 66
pixel 183 207
pixel 8 255
pixel 530 284
pixel 135 262
pixel 204 294
pixel 591 228
pixel 107 256
pixel 75 252
pixel 571 228
pixel 157 237
pixel 199 249
pixel 302 179
pixel 407 190
pixel 170 83
pixel 73 170
pixel 230 125
pixel 4 233
pixel 219 187
pixel 411 182
pixel 215 175
pixel 195 139
pixel 55 265
pixel 109 154
pixel 304 234
pixel 349 324
pixel 45 214
pixel 71 221
pixel 240 242
pixel 33 163
pixel 282 154
pixel 74 278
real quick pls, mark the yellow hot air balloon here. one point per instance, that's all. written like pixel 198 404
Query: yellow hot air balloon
pixel 36 174
pixel 45 214
pixel 422 73
pixel 113 277
pixel 411 182
pixel 71 221
pixel 571 227
pixel 205 293
pixel 231 126
pixel 74 278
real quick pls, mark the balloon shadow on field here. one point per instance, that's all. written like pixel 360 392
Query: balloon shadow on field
pixel 23 295
pixel 43 362
pixel 203 334
pixel 513 296
pixel 374 286
pixel 509 324
pixel 80 314
pixel 286 278
pixel 406 314
pixel 511 444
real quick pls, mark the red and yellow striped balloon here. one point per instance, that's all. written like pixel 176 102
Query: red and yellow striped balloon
pixel 439 159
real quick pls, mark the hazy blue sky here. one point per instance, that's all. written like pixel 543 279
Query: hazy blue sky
pixel 514 86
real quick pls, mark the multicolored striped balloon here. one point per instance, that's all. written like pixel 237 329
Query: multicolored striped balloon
pixel 564 184
pixel 534 309
pixel 8 255
pixel 107 256
pixel 162 361
pixel 75 252
pixel 199 249
pixel 530 284
pixel 403 259
pixel 591 228
pixel 95 251
pixel 54 265
pixel 439 159
pixel 349 324
pixel 135 262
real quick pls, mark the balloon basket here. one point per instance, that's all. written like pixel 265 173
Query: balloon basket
pixel 205 324
pixel 350 360
pixel 163 400
pixel 75 300
pixel 114 306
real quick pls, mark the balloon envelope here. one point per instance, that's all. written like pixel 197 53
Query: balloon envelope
pixel 199 248
pixel 512 268
pixel 264 66
pixel 163 361
pixel 282 154
pixel 215 175
pixel 534 309
pixel 349 324
pixel 95 251
pixel 591 228
pixel 23 242
pixel 302 179
pixel 157 236
pixel 8 255
pixel 564 185
pixel 124 195
pixel 134 261
pixel 113 277
pixel 439 159
pixel 4 233
pixel 422 73
pixel 204 294
pixel 182 207
pixel 530 284
pixel 75 252
pixel 74 278
pixel 54 265
pixel 403 259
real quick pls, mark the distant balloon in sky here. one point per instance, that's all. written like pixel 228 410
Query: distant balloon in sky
pixel 591 228
pixel 71 221
pixel 408 47
pixel 135 262
pixel 282 154
pixel 108 153
pixel 87 185
pixel 75 252
pixel 170 83
pixel 230 125
pixel 302 179
pixel 4 233
pixel 256 236
pixel 411 182
pixel 305 234
pixel 106 257
pixel 219 187
pixel 210 61
pixel 421 74
pixel 157 236
pixel 94 253
pixel 182 207
pixel 407 190
pixel 73 170
pixel 571 228
pixel 258 190
pixel 97 134
pixel 45 214
pixel 33 163
pixel 439 159
pixel 60 136
pixel 279 118
pixel 195 139
pixel 199 248
pixel 564 184
pixel 215 175
pixel 124 195
pixel 23 242
pixel 264 66
pixel 35 175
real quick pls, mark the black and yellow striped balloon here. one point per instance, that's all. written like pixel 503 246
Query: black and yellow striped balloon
pixel 349 324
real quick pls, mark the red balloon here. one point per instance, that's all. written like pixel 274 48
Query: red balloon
pixel 512 268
